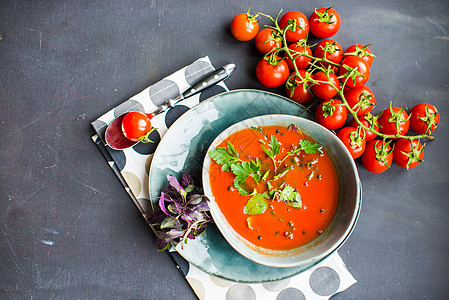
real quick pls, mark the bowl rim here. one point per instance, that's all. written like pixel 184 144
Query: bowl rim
pixel 342 238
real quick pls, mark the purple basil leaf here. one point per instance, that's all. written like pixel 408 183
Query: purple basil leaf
pixel 162 244
pixel 187 180
pixel 175 208
pixel 156 217
pixel 191 236
pixel 164 197
pixel 194 200
pixel 171 222
pixel 174 183
pixel 191 215
pixel 203 205
pixel 200 229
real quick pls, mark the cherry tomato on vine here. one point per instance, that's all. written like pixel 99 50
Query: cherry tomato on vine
pixel 408 154
pixel 324 22
pixel 361 51
pixel 136 125
pixel 369 124
pixel 392 115
pixel 357 77
pixel 272 71
pixel 360 99
pixel 299 29
pixel 325 90
pixel 244 27
pixel 331 113
pixel 267 39
pixel 377 157
pixel 301 61
pixel 354 140
pixel 331 49
pixel 297 90
pixel 424 118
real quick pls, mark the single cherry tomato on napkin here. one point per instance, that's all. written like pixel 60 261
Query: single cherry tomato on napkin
pixel 244 27
pixel 324 22
pixel 136 125
pixel 299 26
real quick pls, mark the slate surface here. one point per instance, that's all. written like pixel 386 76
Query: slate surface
pixel 69 230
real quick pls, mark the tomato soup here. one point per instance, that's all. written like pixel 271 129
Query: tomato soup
pixel 261 209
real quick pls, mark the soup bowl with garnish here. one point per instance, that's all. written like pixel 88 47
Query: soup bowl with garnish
pixel 283 190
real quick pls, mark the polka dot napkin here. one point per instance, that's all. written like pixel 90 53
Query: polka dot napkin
pixel 132 167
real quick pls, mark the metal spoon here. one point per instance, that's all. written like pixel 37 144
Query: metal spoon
pixel 114 136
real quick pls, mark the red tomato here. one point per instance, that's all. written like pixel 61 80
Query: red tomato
pixel 354 140
pixel 331 49
pixel 297 90
pixel 360 99
pixel 424 118
pixel 301 61
pixel 389 117
pixel 361 51
pixel 376 158
pixel 272 74
pixel 244 27
pixel 324 22
pixel 267 39
pixel 357 77
pixel 299 29
pixel 331 113
pixel 369 124
pixel 325 90
pixel 136 125
pixel 408 154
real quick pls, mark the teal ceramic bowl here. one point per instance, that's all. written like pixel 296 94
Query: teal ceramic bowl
pixel 343 222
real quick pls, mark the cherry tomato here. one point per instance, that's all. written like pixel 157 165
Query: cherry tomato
pixel 136 125
pixel 300 27
pixel 361 51
pixel 354 140
pixel 325 90
pixel 389 117
pixel 377 157
pixel 408 154
pixel 244 27
pixel 266 40
pixel 272 74
pixel 357 77
pixel 369 124
pixel 301 61
pixel 331 49
pixel 331 114
pixel 360 99
pixel 324 22
pixel 424 118
pixel 297 90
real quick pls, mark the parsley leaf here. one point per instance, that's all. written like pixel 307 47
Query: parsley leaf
pixel 291 197
pixel 245 169
pixel 225 156
pixel 275 148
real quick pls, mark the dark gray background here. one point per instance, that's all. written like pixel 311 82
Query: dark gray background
pixel 69 230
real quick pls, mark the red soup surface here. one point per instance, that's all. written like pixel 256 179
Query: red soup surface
pixel 313 176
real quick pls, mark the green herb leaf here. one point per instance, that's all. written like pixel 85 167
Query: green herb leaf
pixel 275 148
pixel 245 169
pixel 256 205
pixel 225 156
pixel 309 147
pixel 291 197
pixel 240 189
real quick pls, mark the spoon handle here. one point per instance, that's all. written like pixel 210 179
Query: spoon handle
pixel 205 82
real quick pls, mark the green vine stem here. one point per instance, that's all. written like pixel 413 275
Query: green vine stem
pixel 315 61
